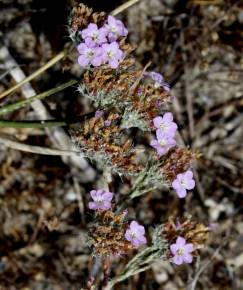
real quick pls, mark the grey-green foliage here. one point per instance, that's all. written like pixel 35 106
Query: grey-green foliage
pixel 143 260
pixel 148 179
pixel 101 99
pixel 133 119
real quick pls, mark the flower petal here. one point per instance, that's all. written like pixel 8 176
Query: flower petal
pixel 128 235
pixel 188 248
pixel 106 205
pixel 142 240
pixel 168 117
pixel 160 134
pixel 161 151
pixel 154 143
pixel 82 47
pixel 181 192
pixel 180 241
pixel 93 205
pixel 133 225
pixel 187 258
pixel 178 260
pixel 157 121
pixel 108 196
pixel 93 194
pixel 83 61
pixel 189 174
pixel 174 248
pixel 176 184
pixel 190 184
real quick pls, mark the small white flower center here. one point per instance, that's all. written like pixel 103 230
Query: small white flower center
pixel 163 126
pixel 89 54
pixel 100 201
pixel 113 29
pixel 180 252
pixel 162 143
pixel 94 36
pixel 183 183
pixel 133 235
pixel 110 54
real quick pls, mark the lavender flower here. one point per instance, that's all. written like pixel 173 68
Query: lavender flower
pixel 159 81
pixel 112 54
pixel 101 199
pixel 181 251
pixel 115 28
pixel 107 123
pixel 94 36
pixel 163 144
pixel 165 124
pixel 135 234
pixel 183 182
pixel 157 77
pixel 99 114
pixel 89 55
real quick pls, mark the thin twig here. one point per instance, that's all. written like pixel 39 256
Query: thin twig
pixel 10 108
pixel 36 149
pixel 32 124
pixel 124 6
pixel 193 284
pixel 49 64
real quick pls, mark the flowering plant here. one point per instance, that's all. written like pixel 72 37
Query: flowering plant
pixel 124 99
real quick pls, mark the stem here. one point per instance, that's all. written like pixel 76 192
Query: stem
pixel 36 149
pixel 35 74
pixel 31 124
pixel 124 6
pixel 10 108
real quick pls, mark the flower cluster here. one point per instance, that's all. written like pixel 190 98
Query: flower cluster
pixel 182 238
pixel 125 99
pixel 100 45
pixel 113 234
pixel 165 133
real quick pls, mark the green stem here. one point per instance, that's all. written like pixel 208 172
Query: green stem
pixel 31 124
pixel 10 108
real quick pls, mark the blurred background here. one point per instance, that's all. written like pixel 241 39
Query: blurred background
pixel 197 45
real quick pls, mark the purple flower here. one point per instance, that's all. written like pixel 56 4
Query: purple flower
pixel 159 81
pixel 107 123
pixel 99 114
pixel 93 35
pixel 135 234
pixel 112 54
pixel 115 28
pixel 157 77
pixel 183 182
pixel 89 55
pixel 163 144
pixel 140 91
pixel 165 124
pixel 101 199
pixel 181 251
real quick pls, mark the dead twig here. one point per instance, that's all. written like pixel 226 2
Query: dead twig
pixel 37 149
